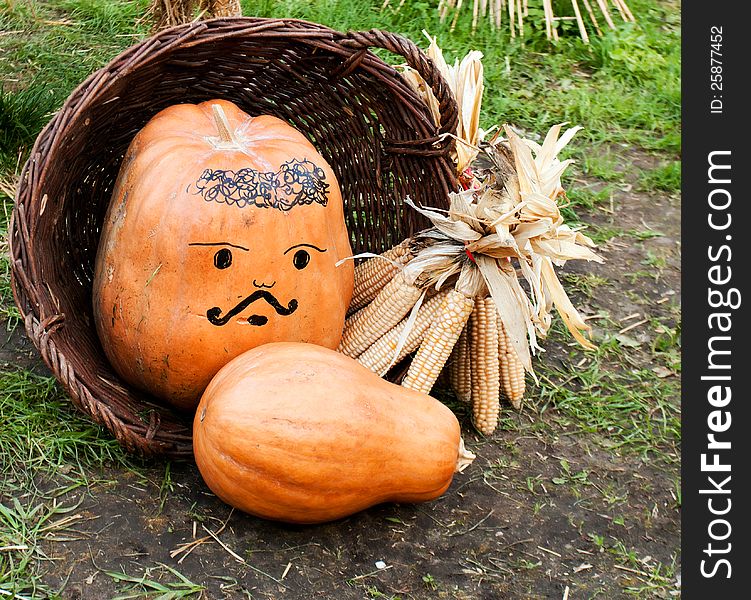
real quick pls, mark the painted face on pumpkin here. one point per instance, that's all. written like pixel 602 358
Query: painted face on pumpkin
pixel 298 182
pixel 299 255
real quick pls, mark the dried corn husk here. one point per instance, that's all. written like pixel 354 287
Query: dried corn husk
pixel 465 79
pixel 506 226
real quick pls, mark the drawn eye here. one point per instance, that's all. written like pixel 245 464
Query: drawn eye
pixel 222 258
pixel 301 259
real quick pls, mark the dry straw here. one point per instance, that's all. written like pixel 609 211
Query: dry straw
pixel 515 12
pixel 168 13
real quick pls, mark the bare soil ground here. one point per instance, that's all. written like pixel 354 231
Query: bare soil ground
pixel 548 509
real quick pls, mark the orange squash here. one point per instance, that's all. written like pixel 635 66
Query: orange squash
pixel 222 234
pixel 302 434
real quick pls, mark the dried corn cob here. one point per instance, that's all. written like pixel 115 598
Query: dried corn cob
pixel 483 349
pixel 380 355
pixel 512 369
pixel 460 373
pixel 373 274
pixel 452 364
pixel 388 308
pixel 351 324
pixel 439 341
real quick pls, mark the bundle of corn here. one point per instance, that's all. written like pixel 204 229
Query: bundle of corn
pixel 393 295
pixel 458 300
pixel 452 293
pixel 167 13
pixel 515 230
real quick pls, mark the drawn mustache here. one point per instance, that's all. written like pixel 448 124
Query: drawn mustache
pixel 214 314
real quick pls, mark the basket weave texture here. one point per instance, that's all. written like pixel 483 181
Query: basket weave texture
pixel 376 133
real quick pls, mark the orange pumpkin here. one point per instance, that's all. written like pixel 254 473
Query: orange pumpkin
pixel 303 434
pixel 222 234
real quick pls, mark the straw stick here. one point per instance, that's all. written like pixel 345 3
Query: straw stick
pixel 456 14
pixel 553 26
pixel 627 10
pixel 580 21
pixel 588 6
pixel 548 24
pixel 443 7
pixel 620 10
pixel 519 17
pixel 606 13
pixel 512 22
pixel 518 10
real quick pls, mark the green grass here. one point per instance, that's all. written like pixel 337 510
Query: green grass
pixel 42 432
pixel 26 522
pixel 603 165
pixel 585 284
pixel 664 178
pixel 607 392
pixel 601 234
pixel 585 198
pixel 161 583
pixel 666 347
pixel 22 115
pixel 653 579
pixel 61 42
pixel 8 310
pixel 44 443
pixel 623 88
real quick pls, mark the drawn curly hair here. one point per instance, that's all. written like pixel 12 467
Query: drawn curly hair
pixel 296 182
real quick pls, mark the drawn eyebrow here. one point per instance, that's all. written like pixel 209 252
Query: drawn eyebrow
pixel 306 245
pixel 219 244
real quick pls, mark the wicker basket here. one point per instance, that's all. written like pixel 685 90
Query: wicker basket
pixel 369 125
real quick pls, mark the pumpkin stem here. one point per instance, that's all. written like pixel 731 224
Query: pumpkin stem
pixel 465 457
pixel 222 124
